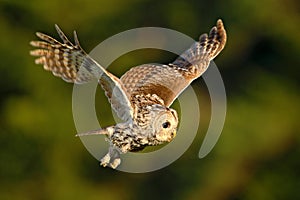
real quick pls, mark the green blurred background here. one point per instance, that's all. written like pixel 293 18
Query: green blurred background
pixel 258 154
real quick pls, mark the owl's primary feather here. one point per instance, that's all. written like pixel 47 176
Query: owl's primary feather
pixel 143 94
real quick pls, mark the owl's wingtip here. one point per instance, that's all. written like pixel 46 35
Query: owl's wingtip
pixel 219 22
pixel 76 39
pixel 39 34
pixel 220 25
pixel 33 43
pixel 222 32
pixel 57 27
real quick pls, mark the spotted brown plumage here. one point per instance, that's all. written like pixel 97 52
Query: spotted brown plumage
pixel 141 97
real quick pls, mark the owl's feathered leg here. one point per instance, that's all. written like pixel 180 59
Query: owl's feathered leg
pixel 112 158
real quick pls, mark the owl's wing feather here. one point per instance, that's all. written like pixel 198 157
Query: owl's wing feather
pixel 198 56
pixel 162 80
pixel 168 81
pixel 72 64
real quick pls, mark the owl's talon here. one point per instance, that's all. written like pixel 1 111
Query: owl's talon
pixel 103 164
pixel 115 163
pixel 105 160
pixel 112 158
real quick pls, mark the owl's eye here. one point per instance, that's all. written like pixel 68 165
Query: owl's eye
pixel 166 124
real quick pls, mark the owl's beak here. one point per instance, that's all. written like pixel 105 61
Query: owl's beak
pixel 173 134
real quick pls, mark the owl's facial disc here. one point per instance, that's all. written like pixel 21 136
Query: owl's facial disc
pixel 165 125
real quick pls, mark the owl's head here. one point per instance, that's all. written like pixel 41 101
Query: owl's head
pixel 164 124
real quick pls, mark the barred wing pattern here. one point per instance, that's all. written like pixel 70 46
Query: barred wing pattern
pixel 72 64
pixel 168 81
pixel 162 80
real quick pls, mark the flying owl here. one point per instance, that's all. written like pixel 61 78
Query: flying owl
pixel 141 97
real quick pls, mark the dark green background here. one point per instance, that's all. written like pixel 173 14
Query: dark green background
pixel 258 154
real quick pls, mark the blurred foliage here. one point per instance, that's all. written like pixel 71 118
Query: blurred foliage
pixel 257 156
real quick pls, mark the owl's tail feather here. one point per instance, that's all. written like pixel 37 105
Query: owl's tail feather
pixel 105 131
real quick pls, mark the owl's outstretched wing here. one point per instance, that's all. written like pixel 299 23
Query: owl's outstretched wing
pixel 168 81
pixel 72 64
